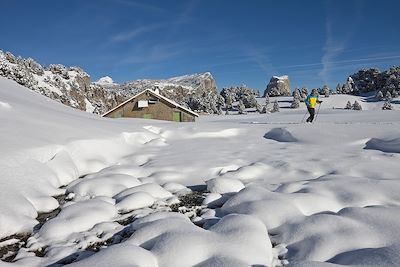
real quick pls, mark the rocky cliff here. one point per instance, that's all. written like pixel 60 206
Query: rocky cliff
pixel 68 85
pixel 73 87
pixel 196 91
pixel 278 86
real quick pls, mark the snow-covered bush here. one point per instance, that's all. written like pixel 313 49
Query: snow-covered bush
pixel 264 110
pixel 295 103
pixel 275 108
pixel 259 108
pixel 266 100
pixel 388 96
pixel 348 105
pixel 338 88
pixel 357 106
pixel 304 92
pixel 387 106
pixel 379 95
pixel 326 91
pixel 241 107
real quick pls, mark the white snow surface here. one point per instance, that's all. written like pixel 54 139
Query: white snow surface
pixel 322 194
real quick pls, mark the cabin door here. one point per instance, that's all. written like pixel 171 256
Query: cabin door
pixel 177 116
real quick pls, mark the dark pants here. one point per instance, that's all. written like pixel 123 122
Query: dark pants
pixel 312 113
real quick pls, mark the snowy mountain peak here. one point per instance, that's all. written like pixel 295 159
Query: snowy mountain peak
pixel 106 80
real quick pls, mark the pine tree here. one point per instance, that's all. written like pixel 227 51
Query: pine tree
pixel 388 96
pixel 228 101
pixel 379 95
pixel 275 108
pixel 241 108
pixel 264 110
pixel 338 88
pixel 304 92
pixel 258 108
pixel 348 105
pixel 325 90
pixel 395 94
pixel 266 100
pixel 295 103
pixel 357 106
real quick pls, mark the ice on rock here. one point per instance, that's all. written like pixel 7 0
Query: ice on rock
pixel 224 185
pixel 389 145
pixel 135 201
pixel 280 135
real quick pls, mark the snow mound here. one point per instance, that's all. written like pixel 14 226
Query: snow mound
pixel 134 201
pixel 5 105
pixel 77 218
pixel 389 146
pixel 153 189
pixel 105 185
pixel 280 135
pixel 224 185
pixel 122 254
pixel 245 240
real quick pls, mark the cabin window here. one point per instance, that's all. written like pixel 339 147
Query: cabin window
pixel 143 104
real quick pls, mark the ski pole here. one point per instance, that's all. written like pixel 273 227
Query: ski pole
pixel 316 115
pixel 305 114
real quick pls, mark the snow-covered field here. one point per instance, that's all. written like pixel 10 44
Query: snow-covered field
pixel 239 190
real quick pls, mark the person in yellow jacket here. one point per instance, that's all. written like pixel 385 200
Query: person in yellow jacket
pixel 311 102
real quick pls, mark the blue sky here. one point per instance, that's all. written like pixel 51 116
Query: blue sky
pixel 238 41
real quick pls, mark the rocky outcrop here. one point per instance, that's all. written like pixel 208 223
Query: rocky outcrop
pixel 278 86
pixel 68 85
pixel 73 87
pixel 197 91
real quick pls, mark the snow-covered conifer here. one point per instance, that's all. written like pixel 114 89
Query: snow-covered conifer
pixel 325 90
pixel 304 92
pixel 357 106
pixel 338 88
pixel 275 108
pixel 295 103
pixel 258 108
pixel 264 110
pixel 241 107
pixel 379 95
pixel 348 105
pixel 266 100
pixel 388 96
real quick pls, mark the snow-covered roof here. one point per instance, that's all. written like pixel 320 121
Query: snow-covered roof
pixel 156 95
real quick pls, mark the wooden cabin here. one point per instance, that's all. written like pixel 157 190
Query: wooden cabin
pixel 150 105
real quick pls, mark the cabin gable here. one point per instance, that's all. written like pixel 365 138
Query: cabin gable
pixel 149 106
